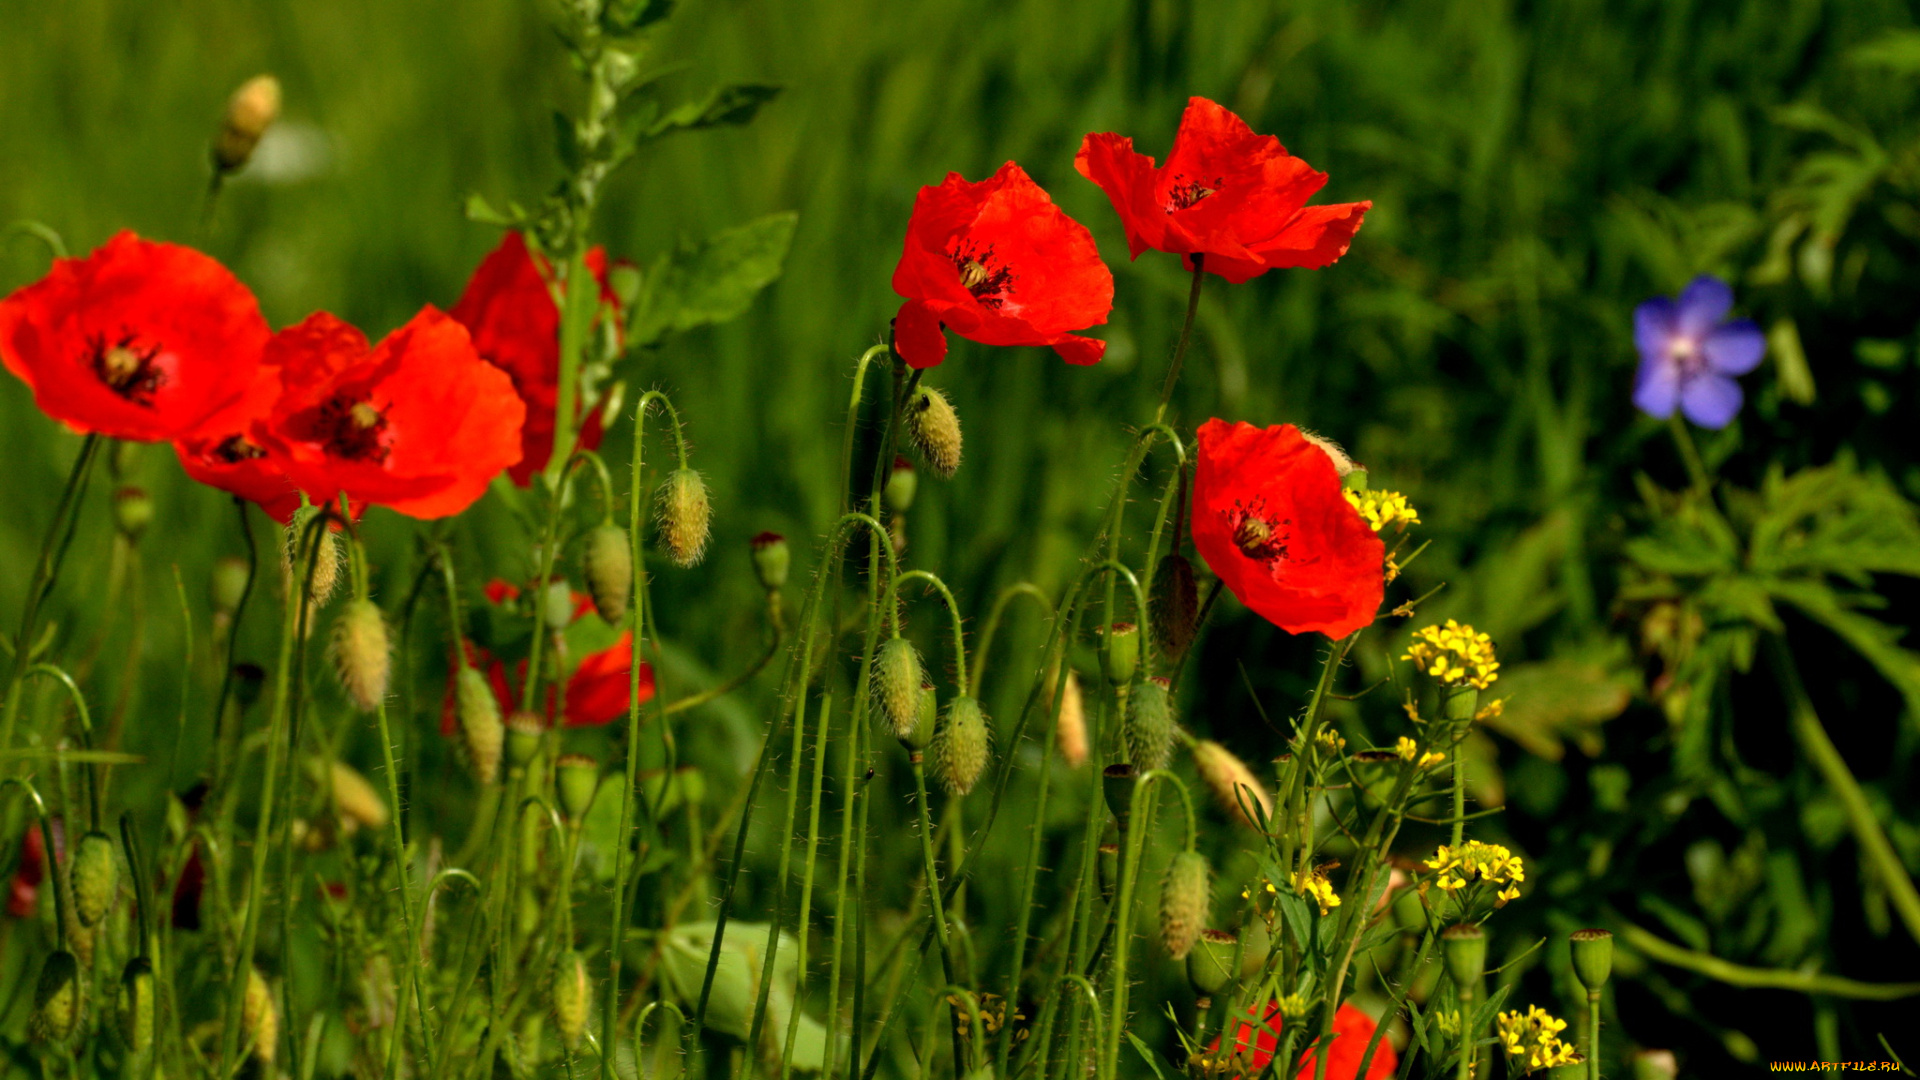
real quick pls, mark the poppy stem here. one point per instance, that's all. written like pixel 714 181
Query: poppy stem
pixel 46 570
pixel 1186 335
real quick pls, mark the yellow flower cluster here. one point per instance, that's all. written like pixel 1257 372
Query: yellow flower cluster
pixel 1407 749
pixel 1331 739
pixel 993 1014
pixel 1292 1006
pixel 1448 1021
pixel 1314 884
pixel 1455 654
pixel 1490 863
pixel 1384 508
pixel 1534 1037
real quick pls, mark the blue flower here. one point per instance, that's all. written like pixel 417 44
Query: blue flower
pixel 1689 354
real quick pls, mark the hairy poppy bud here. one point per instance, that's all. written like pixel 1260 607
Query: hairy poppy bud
pixel 922 733
pixel 1210 964
pixel 608 567
pixel 578 777
pixel 227 583
pixel 95 875
pixel 1592 958
pixel 571 997
pixel 136 1005
pixel 960 746
pixel 771 559
pixel 685 516
pixel 327 558
pixel 902 484
pixel 355 798
pixel 1342 463
pixel 56 997
pixel 1174 606
pixel 896 686
pixel 1109 866
pixel 556 605
pixel 1148 728
pixel 1071 728
pixel 250 111
pixel 1116 783
pixel 132 512
pixel 362 655
pixel 1184 900
pixel 1464 947
pixel 525 731
pixel 1123 652
pixel 480 728
pixel 934 429
pixel 1233 785
pixel 260 1016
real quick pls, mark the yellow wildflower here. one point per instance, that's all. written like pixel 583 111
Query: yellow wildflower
pixel 1533 1038
pixel 1313 883
pixel 1331 739
pixel 1448 1021
pixel 1292 1006
pixel 1455 654
pixel 1491 863
pixel 1384 508
pixel 1408 749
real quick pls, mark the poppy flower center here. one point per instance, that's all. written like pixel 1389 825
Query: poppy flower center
pixel 1256 533
pixel 351 429
pixel 1186 192
pixel 988 284
pixel 127 369
pixel 235 449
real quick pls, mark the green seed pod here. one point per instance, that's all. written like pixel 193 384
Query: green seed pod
pixel 95 874
pixel 136 1005
pixel 362 654
pixel 1257 942
pixel 1173 605
pixel 896 686
pixel 1109 867
pixel 608 568
pixel 132 512
pixel 1461 704
pixel 556 605
pixel 1185 895
pixel 1123 652
pixel 1592 957
pixel 771 560
pixel 227 583
pixel 525 732
pixel 578 777
pixel 1148 728
pixel 572 997
pixel 1464 947
pixel 1210 963
pixel 56 998
pixel 685 517
pixel 902 484
pixel 960 748
pixel 934 429
pixel 922 735
pixel 481 731
pixel 1116 783
pixel 1233 785
pixel 260 1016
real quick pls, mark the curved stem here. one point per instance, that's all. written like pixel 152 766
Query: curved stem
pixel 1134 841
pixel 1805 982
pixel 223 739
pixel 46 844
pixel 992 626
pixel 1186 334
pixel 953 609
pixel 1690 455
pixel 853 426
pixel 46 570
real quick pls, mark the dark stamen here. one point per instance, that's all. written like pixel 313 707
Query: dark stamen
pixel 977 274
pixel 125 368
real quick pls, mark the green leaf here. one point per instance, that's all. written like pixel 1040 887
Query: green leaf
pixel 734 104
pixel 1874 640
pixel 1147 1055
pixel 482 211
pixel 713 281
pixel 628 16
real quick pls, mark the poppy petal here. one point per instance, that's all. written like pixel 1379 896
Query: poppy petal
pixel 917 335
pixel 1075 349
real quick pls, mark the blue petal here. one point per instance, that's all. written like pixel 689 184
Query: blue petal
pixel 1656 387
pixel 1653 328
pixel 1705 302
pixel 1710 400
pixel 1736 348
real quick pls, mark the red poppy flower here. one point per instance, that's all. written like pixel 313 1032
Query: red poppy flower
pixel 23 892
pixel 418 423
pixel 996 262
pixel 1226 193
pixel 1270 519
pixel 500 591
pixel 1352 1031
pixel 509 310
pixel 601 689
pixel 140 340
pixel 223 454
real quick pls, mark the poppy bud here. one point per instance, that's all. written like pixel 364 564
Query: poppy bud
pixel 1257 943
pixel 1108 863
pixel 1464 946
pixel 578 777
pixel 326 564
pixel 362 655
pixel 1233 785
pixel 1210 964
pixel 922 733
pixel 960 747
pixel 480 728
pixel 1116 783
pixel 524 734
pixel 608 567
pixel 248 682
pixel 1592 958
pixel 56 997
pixel 132 512
pixel 1173 605
pixel 1184 897
pixel 685 516
pixel 556 605
pixel 771 559
pixel 227 583
pixel 136 1005
pixel 260 1016
pixel 355 798
pixel 896 686
pixel 250 111
pixel 1342 464
pixel 571 997
pixel 902 484
pixel 1148 728
pixel 934 429
pixel 95 875
pixel 1123 652
pixel 1071 728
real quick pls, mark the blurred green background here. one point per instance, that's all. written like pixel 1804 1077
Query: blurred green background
pixel 1536 169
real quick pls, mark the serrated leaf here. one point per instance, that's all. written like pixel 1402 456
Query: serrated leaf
pixel 734 104
pixel 713 281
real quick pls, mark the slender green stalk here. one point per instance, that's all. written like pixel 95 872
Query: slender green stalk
pixel 1133 848
pixel 1690 455
pixel 1593 1035
pixel 411 959
pixel 813 848
pixel 992 626
pixel 953 609
pixel 1296 844
pixel 1804 982
pixel 939 913
pixel 46 570
pixel 1186 335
